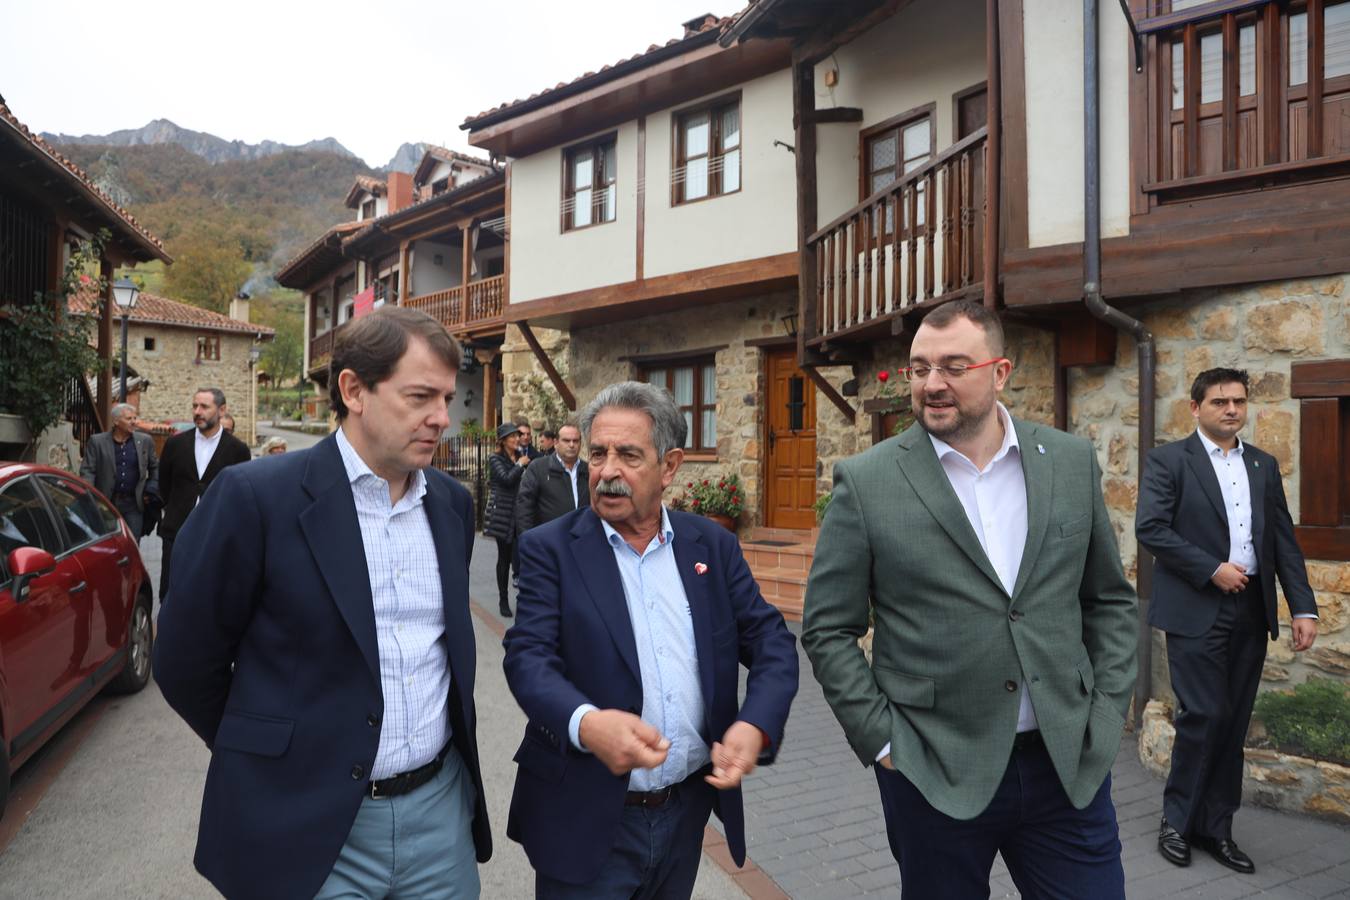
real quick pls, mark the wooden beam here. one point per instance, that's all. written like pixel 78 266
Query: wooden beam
pixel 105 342
pixel 641 194
pixel 837 114
pixel 547 365
pixel 993 156
pixel 490 395
pixel 847 25
pixel 804 128
pixel 845 408
pixel 404 276
pixel 465 272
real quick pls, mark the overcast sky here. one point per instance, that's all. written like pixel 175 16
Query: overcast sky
pixel 370 75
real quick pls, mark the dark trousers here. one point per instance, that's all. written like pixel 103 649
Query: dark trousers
pixel 1052 850
pixel 507 562
pixel 1214 677
pixel 132 513
pixel 166 553
pixel 655 855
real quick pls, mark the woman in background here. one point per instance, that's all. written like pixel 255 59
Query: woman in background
pixel 504 470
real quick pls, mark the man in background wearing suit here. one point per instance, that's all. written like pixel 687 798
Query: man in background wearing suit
pixel 121 463
pixel 554 484
pixel 320 643
pixel 1213 514
pixel 192 460
pixel 629 627
pixel 1004 651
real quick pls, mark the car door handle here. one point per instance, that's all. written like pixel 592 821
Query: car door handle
pixel 124 562
pixel 78 588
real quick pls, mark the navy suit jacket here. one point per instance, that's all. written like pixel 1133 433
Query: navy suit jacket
pixel 572 643
pixel 268 650
pixel 1181 519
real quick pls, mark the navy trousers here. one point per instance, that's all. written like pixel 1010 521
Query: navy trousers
pixel 1051 849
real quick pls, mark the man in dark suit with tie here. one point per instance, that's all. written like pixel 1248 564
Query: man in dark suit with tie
pixel 630 624
pixel 320 642
pixel 1213 514
pixel 192 459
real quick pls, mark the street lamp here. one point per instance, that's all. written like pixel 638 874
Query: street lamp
pixel 125 293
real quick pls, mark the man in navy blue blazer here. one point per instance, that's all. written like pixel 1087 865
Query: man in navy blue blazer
pixel 631 622
pixel 321 644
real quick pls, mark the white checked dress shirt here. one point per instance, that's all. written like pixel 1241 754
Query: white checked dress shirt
pixel 1231 470
pixel 995 501
pixel 405 584
pixel 663 628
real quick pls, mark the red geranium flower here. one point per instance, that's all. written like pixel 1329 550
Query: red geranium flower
pixel 883 375
pixel 705 482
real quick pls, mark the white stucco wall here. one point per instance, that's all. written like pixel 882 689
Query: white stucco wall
pixel 427 276
pixel 1053 32
pixel 757 221
pixel 925 54
pixel 545 261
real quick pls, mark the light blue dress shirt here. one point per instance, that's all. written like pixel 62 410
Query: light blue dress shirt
pixel 663 629
pixel 405 585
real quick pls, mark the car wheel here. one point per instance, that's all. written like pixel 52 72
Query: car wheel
pixel 140 639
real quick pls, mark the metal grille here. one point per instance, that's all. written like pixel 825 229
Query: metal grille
pixel 24 252
pixel 466 460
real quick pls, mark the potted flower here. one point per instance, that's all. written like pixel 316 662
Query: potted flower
pixel 719 499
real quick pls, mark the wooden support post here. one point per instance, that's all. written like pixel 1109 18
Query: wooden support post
pixel 804 126
pixel 823 385
pixel 993 156
pixel 404 276
pixel 547 365
pixel 490 395
pixel 466 269
pixel 105 341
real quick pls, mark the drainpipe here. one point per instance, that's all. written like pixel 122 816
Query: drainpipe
pixel 1092 299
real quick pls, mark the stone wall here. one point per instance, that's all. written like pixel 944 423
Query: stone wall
pixel 175 373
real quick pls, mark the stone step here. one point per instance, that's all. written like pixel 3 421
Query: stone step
pixel 796 558
pixel 795 535
pixel 783 588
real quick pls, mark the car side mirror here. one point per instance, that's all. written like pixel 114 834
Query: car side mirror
pixel 27 563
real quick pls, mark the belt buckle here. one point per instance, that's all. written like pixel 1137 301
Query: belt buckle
pixel 659 798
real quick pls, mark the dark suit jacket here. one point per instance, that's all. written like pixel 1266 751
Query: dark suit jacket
pixel 270 654
pixel 1182 521
pixel 178 482
pixel 99 465
pixel 573 643
pixel 545 492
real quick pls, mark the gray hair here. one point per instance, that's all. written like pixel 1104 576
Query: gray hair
pixel 275 440
pixel 119 408
pixel 669 428
pixel 216 394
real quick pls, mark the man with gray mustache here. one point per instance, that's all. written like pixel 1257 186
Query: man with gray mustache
pixel 629 626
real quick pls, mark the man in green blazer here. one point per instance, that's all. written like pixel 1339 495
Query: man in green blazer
pixel 1005 631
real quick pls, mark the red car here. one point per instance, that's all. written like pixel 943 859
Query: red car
pixel 75 607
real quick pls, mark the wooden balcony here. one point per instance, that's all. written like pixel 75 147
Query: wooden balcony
pixel 483 311
pixel 913 243
pixel 321 347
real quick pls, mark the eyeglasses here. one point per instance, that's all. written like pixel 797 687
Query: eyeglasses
pixel 948 373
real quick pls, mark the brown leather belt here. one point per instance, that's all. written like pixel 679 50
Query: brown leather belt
pixel 650 799
pixel 406 782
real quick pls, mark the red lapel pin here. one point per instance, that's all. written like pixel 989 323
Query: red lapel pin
pixel 700 568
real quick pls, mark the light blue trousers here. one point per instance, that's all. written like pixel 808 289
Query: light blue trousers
pixel 419 844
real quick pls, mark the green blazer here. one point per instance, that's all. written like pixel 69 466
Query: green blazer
pixel 951 647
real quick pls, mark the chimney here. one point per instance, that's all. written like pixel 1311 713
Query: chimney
pixel 400 191
pixel 239 307
pixel 699 24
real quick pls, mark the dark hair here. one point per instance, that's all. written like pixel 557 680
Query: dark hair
pixel 217 395
pixel 1210 377
pixel 372 345
pixel 550 434
pixel 977 313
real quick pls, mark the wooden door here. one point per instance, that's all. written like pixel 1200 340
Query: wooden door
pixel 790 439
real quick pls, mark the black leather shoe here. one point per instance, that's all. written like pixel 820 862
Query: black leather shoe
pixel 1227 854
pixel 1173 846
pixel 505 610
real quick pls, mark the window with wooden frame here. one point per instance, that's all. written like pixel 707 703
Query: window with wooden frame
pixel 590 193
pixel 693 384
pixel 440 186
pixel 707 149
pixel 1241 93
pixel 892 148
pixel 208 347
pixel 1323 391
pixel 368 209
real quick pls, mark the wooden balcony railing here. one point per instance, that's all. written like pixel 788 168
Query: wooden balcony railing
pixel 486 299
pixel 917 239
pixel 321 346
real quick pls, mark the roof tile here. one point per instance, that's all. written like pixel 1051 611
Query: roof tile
pixel 152 309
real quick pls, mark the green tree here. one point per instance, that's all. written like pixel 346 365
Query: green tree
pixel 208 270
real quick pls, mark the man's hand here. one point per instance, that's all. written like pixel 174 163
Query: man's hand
pixel 1230 578
pixel 622 741
pixel 735 755
pixel 885 762
pixel 523 459
pixel 1305 632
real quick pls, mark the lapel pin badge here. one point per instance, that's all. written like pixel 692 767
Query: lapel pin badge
pixel 1040 448
pixel 700 568
pixel 1256 463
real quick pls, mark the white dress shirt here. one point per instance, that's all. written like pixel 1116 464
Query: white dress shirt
pixel 204 448
pixel 1231 470
pixel 572 474
pixel 995 501
pixel 405 585
pixel 663 629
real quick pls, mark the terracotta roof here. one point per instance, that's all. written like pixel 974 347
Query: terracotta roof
pixel 151 309
pixel 495 178
pixel 367 184
pixel 56 160
pixel 320 243
pixel 698 31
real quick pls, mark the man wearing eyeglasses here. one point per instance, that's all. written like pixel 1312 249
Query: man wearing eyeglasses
pixel 1004 650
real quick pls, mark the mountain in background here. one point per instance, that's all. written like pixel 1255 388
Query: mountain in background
pixel 406 158
pixel 207 146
